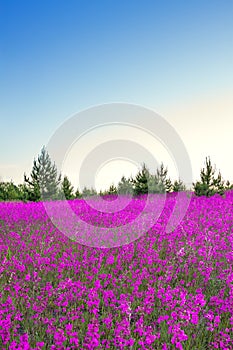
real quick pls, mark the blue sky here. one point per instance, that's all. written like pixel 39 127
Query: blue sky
pixel 60 57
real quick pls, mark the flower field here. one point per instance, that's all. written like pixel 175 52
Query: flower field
pixel 161 291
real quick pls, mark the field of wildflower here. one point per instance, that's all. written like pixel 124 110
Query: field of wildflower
pixel 161 291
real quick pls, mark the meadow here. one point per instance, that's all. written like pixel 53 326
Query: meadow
pixel 161 291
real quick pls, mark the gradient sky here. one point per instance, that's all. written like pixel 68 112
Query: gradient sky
pixel 60 57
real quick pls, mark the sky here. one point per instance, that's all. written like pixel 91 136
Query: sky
pixel 58 58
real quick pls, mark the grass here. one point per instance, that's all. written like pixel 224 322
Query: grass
pixel 158 292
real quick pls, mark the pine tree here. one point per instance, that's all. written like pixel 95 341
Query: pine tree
pixel 23 192
pixel 168 185
pixel 112 190
pixel 125 186
pixel 78 194
pixel 93 192
pixel 9 191
pixel 3 191
pixel 209 185
pixel 178 186
pixel 154 186
pixel 218 184
pixel 87 192
pixel 140 183
pixel 159 183
pixel 44 179
pixel 228 185
pixel 165 182
pixel 67 188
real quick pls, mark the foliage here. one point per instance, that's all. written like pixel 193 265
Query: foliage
pixel 125 186
pixel 9 191
pixel 67 188
pixel 140 183
pixel 112 190
pixel 78 194
pixel 228 185
pixel 178 186
pixel 88 192
pixel 160 182
pixel 157 293
pixel 44 179
pixel 209 185
pixel 23 193
pixel 146 182
pixel 45 184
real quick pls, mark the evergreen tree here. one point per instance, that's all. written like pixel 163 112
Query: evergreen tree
pixel 67 188
pixel 228 185
pixel 44 179
pixel 168 185
pixel 140 183
pixel 209 185
pixel 104 193
pixel 178 186
pixel 23 192
pixel 3 192
pixel 154 185
pixel 163 180
pixel 125 186
pixel 9 191
pixel 112 190
pixel 93 192
pixel 101 193
pixel 78 194
pixel 87 192
pixel 160 183
pixel 218 184
pixel 12 191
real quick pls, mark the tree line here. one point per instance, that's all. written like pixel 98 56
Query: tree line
pixel 44 183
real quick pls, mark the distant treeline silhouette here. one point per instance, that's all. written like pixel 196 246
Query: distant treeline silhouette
pixel 44 183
